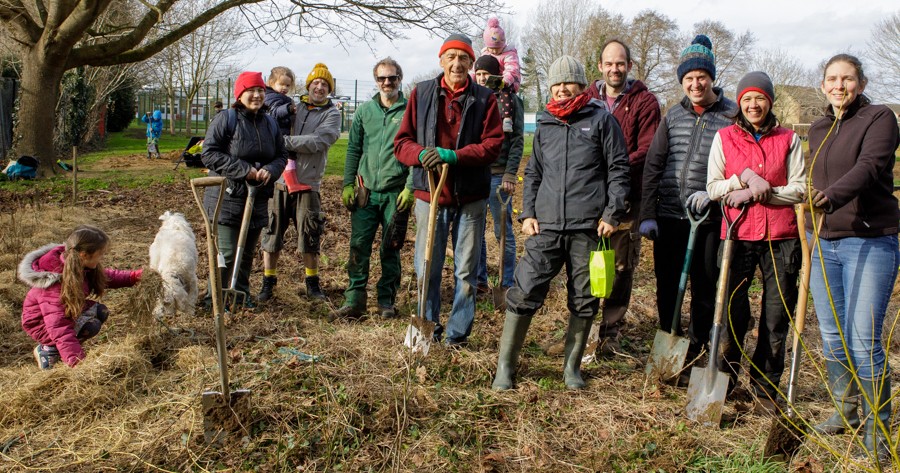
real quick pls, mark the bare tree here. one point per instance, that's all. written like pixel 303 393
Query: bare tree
pixel 884 52
pixel 55 36
pixel 733 52
pixel 653 39
pixel 601 27
pixel 411 83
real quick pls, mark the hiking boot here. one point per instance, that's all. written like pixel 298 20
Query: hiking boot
pixel 609 347
pixel 268 287
pixel 349 312
pixel 46 356
pixel 388 311
pixel 313 291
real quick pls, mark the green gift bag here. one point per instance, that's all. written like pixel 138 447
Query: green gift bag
pixel 603 269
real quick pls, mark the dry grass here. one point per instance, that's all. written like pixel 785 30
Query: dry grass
pixel 134 403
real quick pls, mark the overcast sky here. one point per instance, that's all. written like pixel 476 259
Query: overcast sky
pixel 810 30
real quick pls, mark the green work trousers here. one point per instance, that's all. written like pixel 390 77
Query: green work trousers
pixel 364 225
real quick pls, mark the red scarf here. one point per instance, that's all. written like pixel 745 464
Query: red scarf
pixel 561 109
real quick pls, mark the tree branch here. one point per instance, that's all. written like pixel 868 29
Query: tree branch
pixel 20 24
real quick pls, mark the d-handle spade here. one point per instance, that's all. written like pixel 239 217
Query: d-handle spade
pixel 499 292
pixel 708 386
pixel 420 331
pixel 669 350
pixel 224 411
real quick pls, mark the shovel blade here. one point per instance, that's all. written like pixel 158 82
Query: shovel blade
pixel 667 356
pixel 499 294
pixel 221 418
pixel 706 395
pixel 419 334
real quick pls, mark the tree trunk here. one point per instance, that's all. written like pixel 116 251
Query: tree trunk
pixel 41 76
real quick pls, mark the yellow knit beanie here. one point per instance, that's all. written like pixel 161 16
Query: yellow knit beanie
pixel 320 71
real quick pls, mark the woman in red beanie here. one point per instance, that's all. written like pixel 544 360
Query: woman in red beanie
pixel 244 145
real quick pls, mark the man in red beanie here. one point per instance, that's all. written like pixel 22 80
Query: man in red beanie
pixel 450 119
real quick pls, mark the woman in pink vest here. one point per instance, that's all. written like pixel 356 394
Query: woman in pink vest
pixel 758 163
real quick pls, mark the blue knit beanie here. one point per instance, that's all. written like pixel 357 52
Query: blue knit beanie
pixel 698 55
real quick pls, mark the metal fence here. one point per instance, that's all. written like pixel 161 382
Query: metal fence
pixel 182 114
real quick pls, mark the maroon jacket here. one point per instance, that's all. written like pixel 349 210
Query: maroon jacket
pixel 43 314
pixel 638 114
pixel 855 170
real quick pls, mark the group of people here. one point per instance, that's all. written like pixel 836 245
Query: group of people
pixel 605 163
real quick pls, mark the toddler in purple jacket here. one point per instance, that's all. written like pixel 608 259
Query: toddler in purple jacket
pixel 56 312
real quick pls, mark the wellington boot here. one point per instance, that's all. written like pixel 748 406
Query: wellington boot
pixel 876 408
pixel 845 395
pixel 576 340
pixel 514 329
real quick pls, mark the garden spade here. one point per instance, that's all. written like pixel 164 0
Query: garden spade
pixel 669 350
pixel 234 298
pixel 786 434
pixel 708 386
pixel 224 411
pixel 499 292
pixel 420 332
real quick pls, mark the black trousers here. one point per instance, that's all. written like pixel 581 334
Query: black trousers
pixel 545 255
pixel 780 267
pixel 669 250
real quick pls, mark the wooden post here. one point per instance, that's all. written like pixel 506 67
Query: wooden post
pixel 74 175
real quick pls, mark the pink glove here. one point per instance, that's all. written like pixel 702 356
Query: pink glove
pixel 760 187
pixel 738 197
pixel 136 275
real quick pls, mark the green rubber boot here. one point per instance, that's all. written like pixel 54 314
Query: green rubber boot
pixel 845 394
pixel 576 340
pixel 877 413
pixel 514 329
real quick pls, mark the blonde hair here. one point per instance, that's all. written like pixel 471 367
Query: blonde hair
pixel 278 72
pixel 89 240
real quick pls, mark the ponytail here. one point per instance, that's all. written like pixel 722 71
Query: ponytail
pixel 89 240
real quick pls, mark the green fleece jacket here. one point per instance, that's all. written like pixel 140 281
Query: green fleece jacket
pixel 370 150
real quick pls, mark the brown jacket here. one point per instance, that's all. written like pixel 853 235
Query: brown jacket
pixel 854 168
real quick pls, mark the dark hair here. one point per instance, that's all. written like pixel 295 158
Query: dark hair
pixel 849 59
pixel 619 42
pixel 388 61
pixel 218 104
pixel 769 123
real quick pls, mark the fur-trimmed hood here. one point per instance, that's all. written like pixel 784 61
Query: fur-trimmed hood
pixel 42 267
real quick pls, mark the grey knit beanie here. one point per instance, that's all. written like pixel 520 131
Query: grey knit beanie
pixel 566 69
pixel 698 55
pixel 756 81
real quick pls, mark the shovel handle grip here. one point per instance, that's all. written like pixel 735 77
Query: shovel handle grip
pixel 208 181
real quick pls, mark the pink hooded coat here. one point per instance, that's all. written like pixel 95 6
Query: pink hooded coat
pixel 495 37
pixel 43 313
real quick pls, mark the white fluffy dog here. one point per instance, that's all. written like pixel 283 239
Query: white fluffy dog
pixel 174 255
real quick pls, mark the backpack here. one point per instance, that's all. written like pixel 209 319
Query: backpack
pixel 23 168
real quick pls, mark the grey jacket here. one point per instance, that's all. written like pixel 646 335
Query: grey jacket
pixel 315 130
pixel 254 141
pixel 578 171
pixel 678 157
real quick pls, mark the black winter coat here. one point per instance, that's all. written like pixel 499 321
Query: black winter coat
pixel 255 141
pixel 578 171
pixel 678 157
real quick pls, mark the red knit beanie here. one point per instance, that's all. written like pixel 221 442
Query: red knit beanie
pixel 458 41
pixel 247 80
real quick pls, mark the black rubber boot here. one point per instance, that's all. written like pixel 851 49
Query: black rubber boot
pixel 876 408
pixel 576 340
pixel 268 286
pixel 514 329
pixel 313 291
pixel 845 395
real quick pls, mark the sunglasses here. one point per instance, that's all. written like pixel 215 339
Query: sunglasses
pixel 387 78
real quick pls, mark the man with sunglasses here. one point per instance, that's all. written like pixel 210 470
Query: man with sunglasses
pixel 371 170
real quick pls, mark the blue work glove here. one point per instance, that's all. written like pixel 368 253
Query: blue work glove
pixel 649 228
pixel 697 202
pixel 447 155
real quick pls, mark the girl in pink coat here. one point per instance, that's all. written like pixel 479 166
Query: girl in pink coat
pixel 495 45
pixel 56 312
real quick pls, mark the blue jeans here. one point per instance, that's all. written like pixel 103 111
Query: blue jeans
pixel 465 226
pixel 509 253
pixel 861 274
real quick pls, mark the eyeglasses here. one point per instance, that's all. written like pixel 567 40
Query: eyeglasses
pixel 387 78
